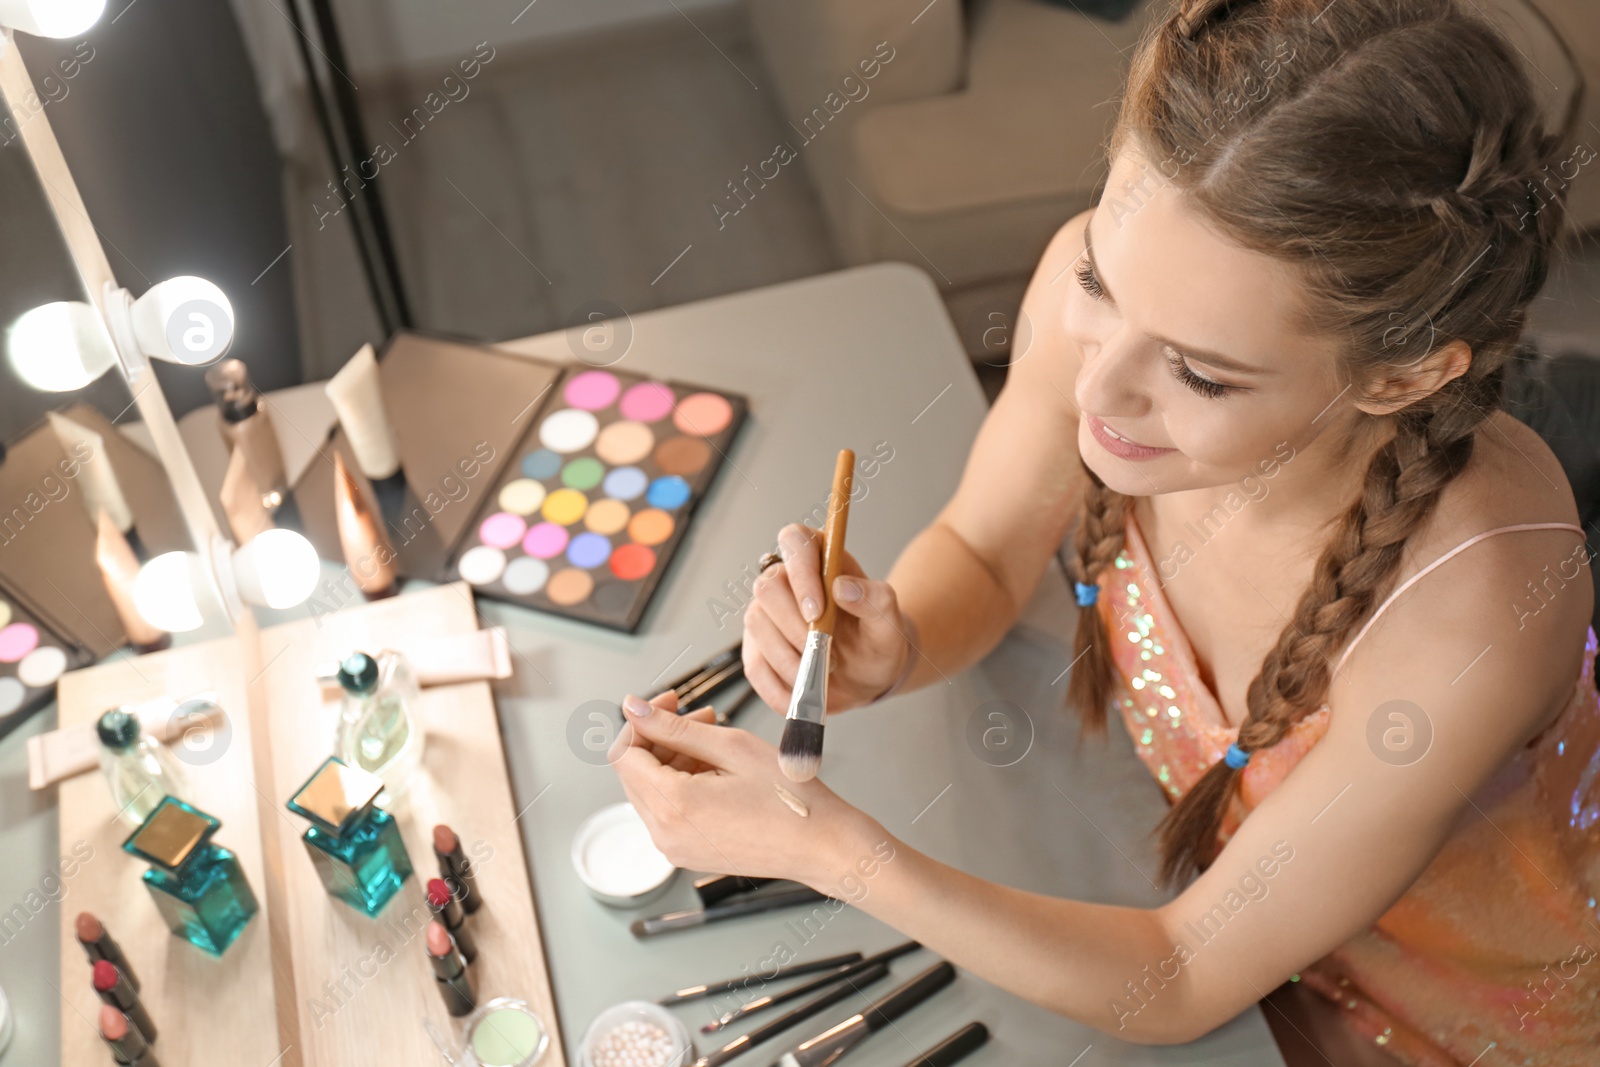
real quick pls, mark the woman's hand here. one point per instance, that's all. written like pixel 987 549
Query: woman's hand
pixel 871 641
pixel 710 798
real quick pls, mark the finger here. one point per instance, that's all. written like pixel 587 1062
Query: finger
pixel 716 746
pixel 780 653
pixel 875 604
pixel 775 596
pixel 680 761
pixel 801 549
pixel 768 686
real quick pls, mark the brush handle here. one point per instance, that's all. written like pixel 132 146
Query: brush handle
pixel 844 482
pixel 954 1048
pixel 909 995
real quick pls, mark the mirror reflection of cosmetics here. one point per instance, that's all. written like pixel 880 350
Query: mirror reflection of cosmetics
pixel 636 1034
pixel 32 660
pixel 616 860
pixel 97 480
pixel 119 567
pixel 357 396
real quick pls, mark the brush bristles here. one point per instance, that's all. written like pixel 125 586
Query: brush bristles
pixel 800 750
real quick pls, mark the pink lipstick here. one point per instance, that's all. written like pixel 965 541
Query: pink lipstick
pixel 1120 446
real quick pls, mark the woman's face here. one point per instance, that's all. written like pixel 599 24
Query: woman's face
pixel 1195 371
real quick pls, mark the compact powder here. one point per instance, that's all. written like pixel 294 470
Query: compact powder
pixel 506 1037
pixel 481 565
pixel 17 640
pixel 525 575
pixel 683 455
pixel 607 516
pixel 545 540
pixel 569 586
pixel 42 667
pixel 650 526
pixel 618 857
pixel 502 529
pixel 626 483
pixel 568 430
pixel 703 414
pixel 522 497
pixel 564 506
pixel 624 442
pixel 592 390
pixel 646 402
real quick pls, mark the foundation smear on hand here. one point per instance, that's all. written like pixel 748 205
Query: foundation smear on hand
pixel 796 805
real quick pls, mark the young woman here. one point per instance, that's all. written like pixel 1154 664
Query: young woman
pixel 1337 599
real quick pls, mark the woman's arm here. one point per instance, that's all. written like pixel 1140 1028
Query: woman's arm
pixel 962 581
pixel 1320 860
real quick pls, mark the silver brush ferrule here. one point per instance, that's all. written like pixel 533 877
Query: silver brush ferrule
pixel 809 701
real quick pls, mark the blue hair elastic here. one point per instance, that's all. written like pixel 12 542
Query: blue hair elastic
pixel 1087 594
pixel 1236 757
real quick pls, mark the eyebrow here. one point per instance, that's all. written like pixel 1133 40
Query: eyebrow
pixel 1199 355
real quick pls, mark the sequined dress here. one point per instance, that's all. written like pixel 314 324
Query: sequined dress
pixel 1498 940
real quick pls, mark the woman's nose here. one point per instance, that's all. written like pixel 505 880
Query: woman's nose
pixel 1110 382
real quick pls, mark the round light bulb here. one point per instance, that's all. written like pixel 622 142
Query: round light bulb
pixel 59 347
pixel 277 569
pixel 183 320
pixel 51 18
pixel 164 593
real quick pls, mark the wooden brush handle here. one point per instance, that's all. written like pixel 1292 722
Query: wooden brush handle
pixel 844 481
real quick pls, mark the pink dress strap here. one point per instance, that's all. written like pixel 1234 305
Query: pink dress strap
pixel 1436 564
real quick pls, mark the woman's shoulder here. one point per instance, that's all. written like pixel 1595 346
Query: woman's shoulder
pixel 1513 479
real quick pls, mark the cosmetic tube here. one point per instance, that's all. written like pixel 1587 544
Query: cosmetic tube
pixel 450 971
pixel 357 396
pixel 447 910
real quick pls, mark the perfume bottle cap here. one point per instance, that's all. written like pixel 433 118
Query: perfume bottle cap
pixel 336 794
pixel 171 833
pixel 358 673
pixel 117 728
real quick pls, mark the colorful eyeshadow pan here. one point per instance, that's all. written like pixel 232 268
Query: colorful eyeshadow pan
pixel 32 659
pixel 600 495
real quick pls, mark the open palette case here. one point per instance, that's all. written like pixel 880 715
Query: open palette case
pixel 585 478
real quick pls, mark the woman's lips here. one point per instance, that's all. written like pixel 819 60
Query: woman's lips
pixel 1120 446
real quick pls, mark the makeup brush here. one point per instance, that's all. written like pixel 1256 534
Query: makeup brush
pixel 128 1046
pixel 849 987
pixel 682 920
pixel 828 1046
pixel 955 1048
pixel 849 970
pixel 800 750
pixel 726 658
pixel 794 970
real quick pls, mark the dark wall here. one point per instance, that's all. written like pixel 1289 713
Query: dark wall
pixel 164 130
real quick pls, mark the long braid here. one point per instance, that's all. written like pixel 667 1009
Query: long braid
pixel 1435 232
pixel 1098 538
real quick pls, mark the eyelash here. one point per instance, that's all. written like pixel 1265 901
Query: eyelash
pixel 1200 384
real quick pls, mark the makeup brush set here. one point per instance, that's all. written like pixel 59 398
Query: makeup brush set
pixel 837 980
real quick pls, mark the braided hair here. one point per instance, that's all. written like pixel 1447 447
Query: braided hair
pixel 1391 150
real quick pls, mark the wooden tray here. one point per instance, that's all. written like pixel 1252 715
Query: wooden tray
pixel 316 983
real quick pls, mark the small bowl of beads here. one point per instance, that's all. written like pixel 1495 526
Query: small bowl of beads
pixel 637 1034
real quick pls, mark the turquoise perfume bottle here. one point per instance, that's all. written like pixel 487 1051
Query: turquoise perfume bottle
pixel 198 886
pixel 354 844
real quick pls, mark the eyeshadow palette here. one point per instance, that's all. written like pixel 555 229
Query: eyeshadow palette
pixel 32 658
pixel 598 494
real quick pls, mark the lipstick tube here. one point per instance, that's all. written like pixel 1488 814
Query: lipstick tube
pixel 455 868
pixel 128 1045
pixel 98 945
pixel 115 990
pixel 447 909
pixel 450 971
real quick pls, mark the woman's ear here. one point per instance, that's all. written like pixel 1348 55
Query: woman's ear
pixel 1398 387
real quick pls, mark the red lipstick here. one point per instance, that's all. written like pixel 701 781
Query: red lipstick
pixel 115 990
pixel 98 945
pixel 1120 446
pixel 447 909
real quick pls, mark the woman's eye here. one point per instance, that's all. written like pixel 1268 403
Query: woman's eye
pixel 1206 387
pixel 1091 285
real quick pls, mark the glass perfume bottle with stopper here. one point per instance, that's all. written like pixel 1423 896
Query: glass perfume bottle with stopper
pixel 354 844
pixel 139 769
pixel 198 885
pixel 378 728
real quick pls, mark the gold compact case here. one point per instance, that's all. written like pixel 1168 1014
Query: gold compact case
pixel 335 794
